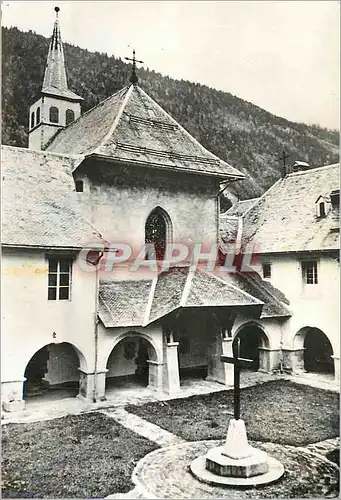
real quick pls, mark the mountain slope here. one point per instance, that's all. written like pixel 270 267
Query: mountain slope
pixel 241 133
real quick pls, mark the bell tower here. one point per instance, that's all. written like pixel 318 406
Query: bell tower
pixel 57 106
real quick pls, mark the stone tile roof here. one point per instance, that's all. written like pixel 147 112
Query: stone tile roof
pixel 228 228
pixel 284 219
pixel 240 207
pixel 275 302
pixel 39 203
pixel 139 303
pixel 129 127
pixel 55 80
pixel 123 303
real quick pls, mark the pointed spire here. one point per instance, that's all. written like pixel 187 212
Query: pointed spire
pixel 55 74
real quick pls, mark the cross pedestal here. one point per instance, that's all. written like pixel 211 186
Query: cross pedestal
pixel 236 463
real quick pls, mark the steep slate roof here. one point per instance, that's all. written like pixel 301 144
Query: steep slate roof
pixel 240 208
pixel 39 203
pixel 123 303
pixel 139 303
pixel 284 219
pixel 129 127
pixel 228 228
pixel 275 302
pixel 55 81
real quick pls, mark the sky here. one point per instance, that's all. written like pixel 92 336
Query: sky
pixel 283 56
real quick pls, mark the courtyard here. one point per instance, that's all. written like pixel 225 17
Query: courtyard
pixel 94 454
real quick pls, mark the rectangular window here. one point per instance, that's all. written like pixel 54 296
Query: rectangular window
pixel 267 270
pixel 59 279
pixel 309 270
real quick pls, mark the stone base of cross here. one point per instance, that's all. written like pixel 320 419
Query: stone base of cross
pixel 236 463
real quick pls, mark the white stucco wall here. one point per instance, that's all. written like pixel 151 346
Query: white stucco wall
pixel 313 305
pixel 29 319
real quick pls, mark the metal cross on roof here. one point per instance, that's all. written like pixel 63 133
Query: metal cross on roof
pixel 238 364
pixel 283 158
pixel 133 77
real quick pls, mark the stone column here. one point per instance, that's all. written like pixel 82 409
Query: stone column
pixel 336 368
pixel 215 368
pixel 87 385
pixel 12 395
pixel 269 359
pixel 293 360
pixel 155 375
pixel 171 368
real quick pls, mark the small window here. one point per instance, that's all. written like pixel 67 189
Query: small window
pixel 79 186
pixel 59 279
pixel 69 116
pixel 54 114
pixel 309 270
pixel 267 270
pixel 32 119
pixel 322 209
pixel 38 116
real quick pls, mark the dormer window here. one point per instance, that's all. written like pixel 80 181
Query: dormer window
pixel 79 186
pixel 54 114
pixel 322 207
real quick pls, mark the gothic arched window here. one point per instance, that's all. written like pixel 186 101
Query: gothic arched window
pixel 54 114
pixel 158 231
pixel 38 116
pixel 32 119
pixel 69 116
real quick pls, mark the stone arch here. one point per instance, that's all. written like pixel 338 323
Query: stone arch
pixel 159 231
pixel 254 344
pixel 133 358
pixel 314 349
pixel 54 364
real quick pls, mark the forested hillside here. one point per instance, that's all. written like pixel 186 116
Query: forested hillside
pixel 241 133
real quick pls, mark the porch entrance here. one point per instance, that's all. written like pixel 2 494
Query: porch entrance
pixel 128 363
pixel 318 352
pixel 52 373
pixel 252 337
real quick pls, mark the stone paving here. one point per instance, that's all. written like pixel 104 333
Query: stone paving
pixel 164 474
pixel 146 429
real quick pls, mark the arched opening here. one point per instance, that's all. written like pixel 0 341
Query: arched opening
pixel 131 362
pixel 252 338
pixel 318 352
pixel 195 332
pixel 54 114
pixel 69 116
pixel 52 373
pixel 32 119
pixel 158 231
pixel 38 115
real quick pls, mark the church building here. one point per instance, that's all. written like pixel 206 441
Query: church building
pixel 93 298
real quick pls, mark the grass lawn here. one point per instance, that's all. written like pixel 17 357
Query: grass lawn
pixel 278 411
pixel 82 456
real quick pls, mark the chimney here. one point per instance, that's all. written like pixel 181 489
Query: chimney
pixel 300 166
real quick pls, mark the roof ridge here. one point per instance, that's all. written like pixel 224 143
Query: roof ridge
pixel 241 176
pixel 233 286
pixel 262 197
pixel 150 301
pixel 117 118
pixel 323 167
